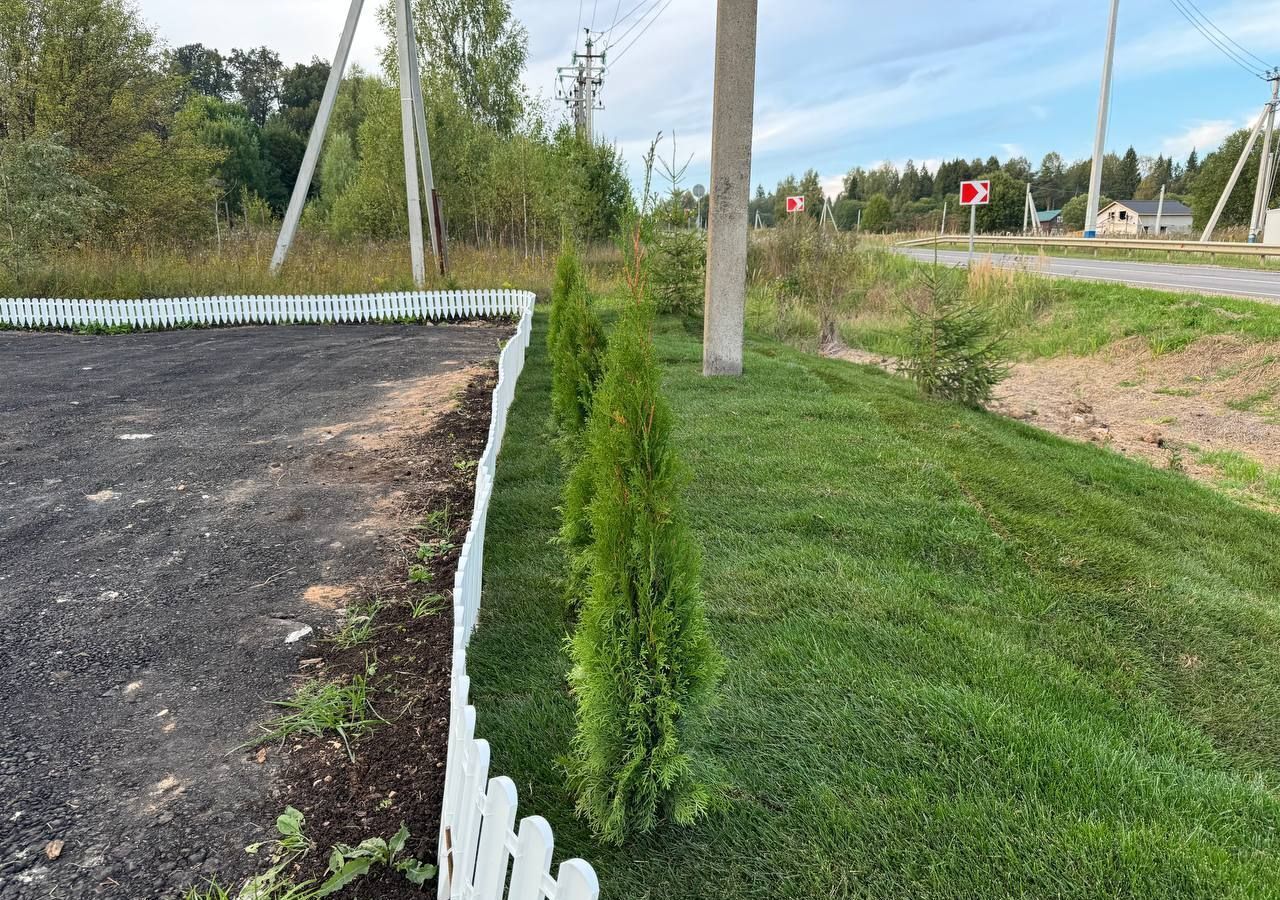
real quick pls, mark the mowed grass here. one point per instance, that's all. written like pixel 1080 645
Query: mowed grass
pixel 965 658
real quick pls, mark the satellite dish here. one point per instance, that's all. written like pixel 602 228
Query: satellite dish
pixel 699 192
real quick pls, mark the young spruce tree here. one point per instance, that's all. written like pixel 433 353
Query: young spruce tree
pixel 644 665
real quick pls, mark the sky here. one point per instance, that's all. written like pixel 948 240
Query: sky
pixel 852 82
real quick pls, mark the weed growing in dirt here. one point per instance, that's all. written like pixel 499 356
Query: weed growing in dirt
pixel 346 865
pixel 324 707
pixel 357 625
pixel 430 550
pixel 437 522
pixel 420 574
pixel 421 607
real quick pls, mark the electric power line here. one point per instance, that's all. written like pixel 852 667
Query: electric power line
pixel 594 4
pixel 579 28
pixel 1209 36
pixel 657 16
pixel 633 25
pixel 1232 41
pixel 616 10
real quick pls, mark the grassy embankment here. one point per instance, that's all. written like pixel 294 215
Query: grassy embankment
pixel 965 658
pixel 1042 317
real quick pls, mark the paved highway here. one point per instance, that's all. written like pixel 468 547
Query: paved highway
pixel 1253 283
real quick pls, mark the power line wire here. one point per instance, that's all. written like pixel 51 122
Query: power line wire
pixel 1209 36
pixel 657 16
pixel 579 28
pixel 616 10
pixel 1232 41
pixel 594 4
pixel 633 25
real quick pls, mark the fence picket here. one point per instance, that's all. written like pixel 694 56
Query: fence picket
pixel 534 846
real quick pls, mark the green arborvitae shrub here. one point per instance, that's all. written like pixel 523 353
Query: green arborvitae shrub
pixel 568 276
pixel 577 357
pixel 955 353
pixel 644 666
pixel 677 272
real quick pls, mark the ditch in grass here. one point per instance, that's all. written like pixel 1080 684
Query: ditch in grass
pixel 965 658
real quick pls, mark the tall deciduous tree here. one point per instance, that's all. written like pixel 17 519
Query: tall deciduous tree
pixel 475 48
pixel 204 70
pixel 257 78
pixel 44 204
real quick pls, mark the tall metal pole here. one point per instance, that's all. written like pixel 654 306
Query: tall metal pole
pixel 316 142
pixel 1235 175
pixel 1100 138
pixel 733 113
pixel 420 126
pixel 973 227
pixel 410 150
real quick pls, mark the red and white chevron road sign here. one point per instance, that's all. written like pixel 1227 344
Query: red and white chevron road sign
pixel 975 193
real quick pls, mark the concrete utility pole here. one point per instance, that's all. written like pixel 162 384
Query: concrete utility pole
pixel 1100 139
pixel 316 142
pixel 1261 195
pixel 413 122
pixel 580 85
pixel 733 113
pixel 407 129
pixel 1160 211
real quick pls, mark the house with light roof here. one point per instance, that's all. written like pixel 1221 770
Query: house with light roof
pixel 1137 218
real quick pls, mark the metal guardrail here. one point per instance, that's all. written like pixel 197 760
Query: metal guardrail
pixel 1206 248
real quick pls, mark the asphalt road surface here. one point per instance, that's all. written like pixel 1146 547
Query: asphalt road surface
pixel 1220 280
pixel 173 507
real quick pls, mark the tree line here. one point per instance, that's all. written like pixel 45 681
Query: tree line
pixel 911 198
pixel 109 137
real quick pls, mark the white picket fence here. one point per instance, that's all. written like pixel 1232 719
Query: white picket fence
pixel 482 856
pixel 174 312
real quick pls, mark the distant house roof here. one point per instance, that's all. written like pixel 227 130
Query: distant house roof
pixel 1150 207
pixel 1048 215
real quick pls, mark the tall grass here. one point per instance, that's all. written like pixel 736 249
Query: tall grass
pixel 316 265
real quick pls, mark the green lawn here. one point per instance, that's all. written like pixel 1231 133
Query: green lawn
pixel 965 658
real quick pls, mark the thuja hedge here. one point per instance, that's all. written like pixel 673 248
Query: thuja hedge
pixel 575 340
pixel 643 662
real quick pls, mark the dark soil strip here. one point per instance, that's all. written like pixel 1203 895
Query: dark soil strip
pixel 398 773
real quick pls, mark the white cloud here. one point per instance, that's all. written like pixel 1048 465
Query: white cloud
pixel 1203 136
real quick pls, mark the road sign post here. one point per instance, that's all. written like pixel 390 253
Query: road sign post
pixel 974 194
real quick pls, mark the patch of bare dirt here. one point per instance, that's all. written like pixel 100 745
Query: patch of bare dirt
pixel 1218 394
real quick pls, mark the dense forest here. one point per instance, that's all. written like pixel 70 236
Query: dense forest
pixel 111 139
